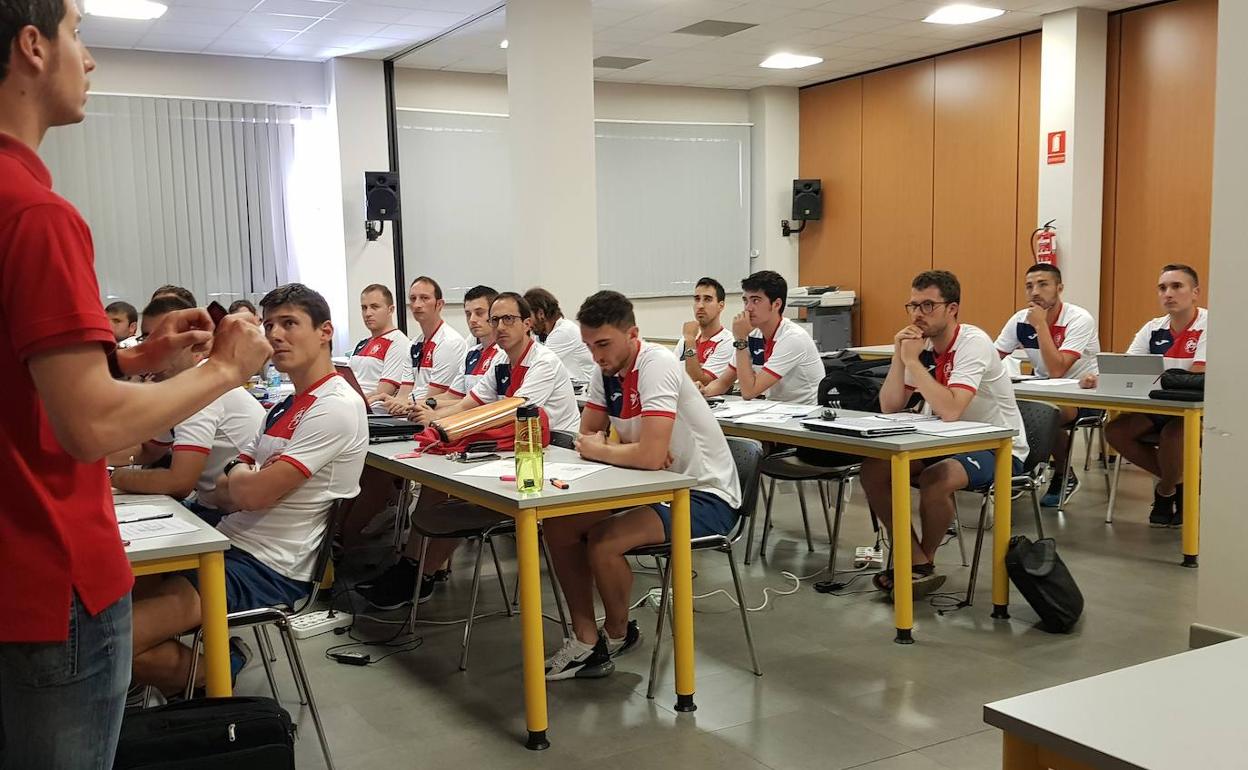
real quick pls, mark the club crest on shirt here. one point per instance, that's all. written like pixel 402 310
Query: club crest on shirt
pixel 1190 346
pixel 634 400
pixel 946 370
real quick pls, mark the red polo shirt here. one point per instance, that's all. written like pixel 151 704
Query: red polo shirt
pixel 58 532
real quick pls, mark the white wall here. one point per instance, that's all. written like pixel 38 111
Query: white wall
pixel 773 111
pixel 1223 524
pixel 234 78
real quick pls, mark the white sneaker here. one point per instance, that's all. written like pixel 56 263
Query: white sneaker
pixel 578 660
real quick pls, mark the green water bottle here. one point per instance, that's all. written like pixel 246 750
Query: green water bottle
pixel 529 459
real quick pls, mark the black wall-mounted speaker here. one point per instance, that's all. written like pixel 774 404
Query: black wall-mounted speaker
pixel 381 195
pixel 807 199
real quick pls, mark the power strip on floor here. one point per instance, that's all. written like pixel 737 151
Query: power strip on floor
pixel 312 624
pixel 868 556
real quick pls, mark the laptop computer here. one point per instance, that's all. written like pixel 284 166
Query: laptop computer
pixel 862 427
pixel 380 426
pixel 1124 375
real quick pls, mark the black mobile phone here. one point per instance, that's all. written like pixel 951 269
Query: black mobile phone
pixel 216 311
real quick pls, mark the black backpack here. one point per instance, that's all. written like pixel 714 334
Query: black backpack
pixel 1044 581
pixel 1180 385
pixel 849 382
pixel 208 733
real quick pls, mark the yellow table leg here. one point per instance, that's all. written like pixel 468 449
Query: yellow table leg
pixel 903 590
pixel 531 630
pixel 1018 754
pixel 1001 528
pixel 1191 486
pixel 682 600
pixel 216 630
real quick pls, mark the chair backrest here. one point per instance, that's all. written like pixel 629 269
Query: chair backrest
pixel 1042 425
pixel 563 438
pixel 337 514
pixel 747 455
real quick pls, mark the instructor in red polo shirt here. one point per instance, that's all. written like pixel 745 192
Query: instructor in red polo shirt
pixel 64 580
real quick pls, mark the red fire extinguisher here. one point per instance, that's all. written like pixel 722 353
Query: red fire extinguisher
pixel 1044 243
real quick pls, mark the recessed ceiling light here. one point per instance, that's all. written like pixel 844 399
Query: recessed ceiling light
pixel 503 44
pixel 961 13
pixel 126 9
pixel 788 61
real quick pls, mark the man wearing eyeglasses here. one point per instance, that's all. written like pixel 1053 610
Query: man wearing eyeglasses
pixel 958 372
pixel 531 371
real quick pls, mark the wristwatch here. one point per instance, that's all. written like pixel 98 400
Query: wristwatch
pixel 431 402
pixel 688 353
pixel 231 465
pixel 740 344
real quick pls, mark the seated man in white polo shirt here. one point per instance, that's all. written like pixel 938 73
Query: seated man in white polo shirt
pixel 280 489
pixel 559 334
pixel 959 374
pixel 380 362
pixel 705 347
pixel 527 370
pixel 1180 335
pixel 1061 341
pixel 662 421
pixel 437 351
pixel 200 445
pixel 480 357
pixel 774 356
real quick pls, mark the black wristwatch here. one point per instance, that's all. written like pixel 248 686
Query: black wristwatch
pixel 740 344
pixel 431 402
pixel 231 465
pixel 688 353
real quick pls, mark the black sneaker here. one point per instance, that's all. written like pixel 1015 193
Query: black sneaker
pixel 240 656
pixel 394 587
pixel 574 661
pixel 428 583
pixel 632 638
pixel 1052 497
pixel 1163 510
pixel 1176 521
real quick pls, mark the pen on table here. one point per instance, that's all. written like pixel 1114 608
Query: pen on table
pixel 146 518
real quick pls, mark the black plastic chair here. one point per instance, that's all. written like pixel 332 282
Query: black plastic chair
pixel 748 456
pixel 1090 424
pixel 787 465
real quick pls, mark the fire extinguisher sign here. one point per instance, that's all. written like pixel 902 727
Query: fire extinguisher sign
pixel 1057 147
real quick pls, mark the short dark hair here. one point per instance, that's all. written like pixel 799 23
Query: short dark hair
pixel 606 308
pixel 522 305
pixel 165 303
pixel 719 287
pixel 297 295
pixel 1045 267
pixel 482 292
pixel 242 304
pixel 385 292
pixel 543 302
pixel 119 307
pixel 770 283
pixel 437 287
pixel 1182 268
pixel 171 290
pixel 945 281
pixel 43 15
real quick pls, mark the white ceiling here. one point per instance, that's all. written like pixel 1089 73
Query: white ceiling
pixel 850 35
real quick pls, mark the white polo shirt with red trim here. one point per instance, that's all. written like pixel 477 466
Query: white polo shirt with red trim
pixel 220 431
pixel 1073 332
pixel 323 433
pixel 384 358
pixel 476 363
pixel 714 353
pixel 792 358
pixel 1183 348
pixel 657 386
pixel 565 341
pixel 436 361
pixel 540 377
pixel 972 363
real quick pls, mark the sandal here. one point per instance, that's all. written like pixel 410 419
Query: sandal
pixel 880 578
pixel 923 577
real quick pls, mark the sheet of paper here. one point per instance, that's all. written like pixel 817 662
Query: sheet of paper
pixel 955 428
pixel 141 511
pixel 733 409
pixel 123 498
pixel 765 418
pixel 1055 382
pixel 493 468
pixel 907 417
pixel 795 410
pixel 562 471
pixel 141 530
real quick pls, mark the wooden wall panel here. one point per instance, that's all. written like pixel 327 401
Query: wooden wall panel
pixel 897 147
pixel 975 178
pixel 1109 195
pixel 1164 152
pixel 1028 159
pixel 830 149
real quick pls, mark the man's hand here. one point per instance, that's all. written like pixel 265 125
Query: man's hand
pixel 1037 317
pixel 376 397
pixel 240 345
pixel 908 333
pixel 398 407
pixel 690 332
pixel 1088 381
pixel 741 325
pixel 177 330
pixel 909 348
pixel 589 445
pixel 421 414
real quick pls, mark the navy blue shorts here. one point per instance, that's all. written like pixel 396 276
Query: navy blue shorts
pixel 1084 411
pixel 980 466
pixel 251 584
pixel 708 515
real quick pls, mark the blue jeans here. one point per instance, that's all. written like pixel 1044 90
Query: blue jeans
pixel 61 702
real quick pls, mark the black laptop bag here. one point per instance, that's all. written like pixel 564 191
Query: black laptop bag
pixel 1042 578
pixel 207 734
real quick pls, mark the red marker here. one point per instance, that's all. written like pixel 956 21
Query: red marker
pixel 558 484
pixel 506 478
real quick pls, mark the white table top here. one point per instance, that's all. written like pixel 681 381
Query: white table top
pixel 609 482
pixel 204 539
pixel 887 350
pixel 1177 713
pixel 1028 390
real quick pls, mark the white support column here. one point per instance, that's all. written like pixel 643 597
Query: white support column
pixel 1072 99
pixel 773 150
pixel 550 89
pixel 1220 605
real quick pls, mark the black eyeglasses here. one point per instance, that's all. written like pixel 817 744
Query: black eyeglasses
pixel 925 307
pixel 505 320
